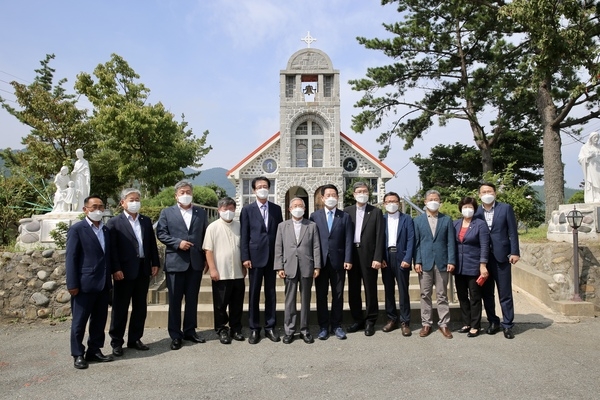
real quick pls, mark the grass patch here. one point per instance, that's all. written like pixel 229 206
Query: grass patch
pixel 534 234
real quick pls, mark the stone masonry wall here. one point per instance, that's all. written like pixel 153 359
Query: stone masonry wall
pixel 33 285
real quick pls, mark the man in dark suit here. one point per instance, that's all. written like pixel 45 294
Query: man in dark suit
pixel 181 229
pixel 135 258
pixel 298 261
pixel 336 234
pixel 88 281
pixel 259 221
pixel 504 252
pixel 398 255
pixel 435 257
pixel 369 237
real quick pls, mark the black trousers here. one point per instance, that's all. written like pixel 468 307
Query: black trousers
pixel 328 276
pixel 391 275
pixel 228 294
pixel 256 276
pixel 124 292
pixel 183 284
pixel 501 278
pixel 469 296
pixel 92 307
pixel 368 277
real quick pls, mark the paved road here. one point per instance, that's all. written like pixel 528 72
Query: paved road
pixel 552 357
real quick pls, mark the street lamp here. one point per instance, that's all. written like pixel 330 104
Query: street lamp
pixel 575 218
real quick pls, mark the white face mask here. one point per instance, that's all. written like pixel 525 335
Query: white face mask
pixel 262 193
pixel 432 205
pixel 468 212
pixel 96 216
pixel 133 206
pixel 488 198
pixel 361 198
pixel 391 208
pixel 298 212
pixel 331 202
pixel 185 199
pixel 227 215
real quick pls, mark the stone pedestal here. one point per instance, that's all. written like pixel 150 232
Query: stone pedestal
pixel 560 231
pixel 34 232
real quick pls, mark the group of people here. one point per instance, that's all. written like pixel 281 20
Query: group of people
pixel 322 249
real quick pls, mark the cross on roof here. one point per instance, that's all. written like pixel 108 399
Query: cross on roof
pixel 308 39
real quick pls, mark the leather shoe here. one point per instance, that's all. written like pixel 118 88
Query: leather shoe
pixel 254 337
pixel 138 345
pixel 446 332
pixel 425 331
pixel 473 334
pixel 405 329
pixel 224 337
pixel 508 333
pixel 79 362
pixel 118 351
pixel 355 327
pixel 195 338
pixel 307 337
pixel 270 333
pixel 464 329
pixel 287 339
pixel 98 357
pixel 238 336
pixel 492 329
pixel 175 344
pixel 369 330
pixel 390 326
pixel 339 333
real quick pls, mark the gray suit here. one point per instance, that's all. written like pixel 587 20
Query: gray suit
pixel 298 258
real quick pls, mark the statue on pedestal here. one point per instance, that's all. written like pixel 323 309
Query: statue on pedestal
pixel 81 177
pixel 589 158
pixel 61 180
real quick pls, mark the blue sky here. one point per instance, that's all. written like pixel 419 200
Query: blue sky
pixel 217 62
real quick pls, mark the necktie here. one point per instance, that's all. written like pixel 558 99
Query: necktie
pixel 329 220
pixel 264 213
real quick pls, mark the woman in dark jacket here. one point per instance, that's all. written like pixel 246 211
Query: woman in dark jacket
pixel 473 245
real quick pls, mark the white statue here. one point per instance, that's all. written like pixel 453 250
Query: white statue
pixel 81 177
pixel 71 198
pixel 589 158
pixel 61 180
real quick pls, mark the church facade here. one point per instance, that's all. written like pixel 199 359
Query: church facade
pixel 309 150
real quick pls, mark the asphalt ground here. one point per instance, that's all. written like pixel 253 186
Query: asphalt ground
pixel 552 357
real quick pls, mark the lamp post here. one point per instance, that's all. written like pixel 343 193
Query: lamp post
pixel 575 218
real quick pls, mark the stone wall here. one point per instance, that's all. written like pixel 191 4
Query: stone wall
pixel 556 260
pixel 33 285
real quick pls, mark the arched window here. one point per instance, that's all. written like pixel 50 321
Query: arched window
pixel 309 145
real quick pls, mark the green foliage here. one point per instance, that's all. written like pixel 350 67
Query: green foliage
pixel 219 191
pixel 59 235
pixel 349 193
pixel 202 195
pixel 13 194
pixel 578 197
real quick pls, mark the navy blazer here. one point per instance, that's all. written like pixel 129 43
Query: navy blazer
pixel 88 267
pixel 257 242
pixel 336 244
pixel 504 237
pixel 125 251
pixel 474 248
pixel 405 240
pixel 438 250
pixel 171 230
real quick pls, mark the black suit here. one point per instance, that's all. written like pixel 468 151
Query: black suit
pixel 369 249
pixel 136 276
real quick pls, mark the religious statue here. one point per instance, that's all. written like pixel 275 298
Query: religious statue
pixel 61 180
pixel 81 177
pixel 589 158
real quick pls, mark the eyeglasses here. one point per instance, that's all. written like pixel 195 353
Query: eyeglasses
pixel 96 207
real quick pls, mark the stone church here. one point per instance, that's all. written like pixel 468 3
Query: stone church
pixel 309 150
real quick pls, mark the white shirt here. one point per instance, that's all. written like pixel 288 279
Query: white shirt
pixel 360 216
pixel 392 227
pixel 97 231
pixel 137 229
pixel 223 239
pixel 297 227
pixel 187 215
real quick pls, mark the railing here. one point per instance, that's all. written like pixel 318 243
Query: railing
pixel 412 206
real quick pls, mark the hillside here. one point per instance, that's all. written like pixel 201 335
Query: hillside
pixel 213 175
pixel 569 192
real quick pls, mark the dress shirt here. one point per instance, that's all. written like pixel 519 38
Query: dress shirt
pixel 392 227
pixel 97 231
pixel 360 215
pixel 432 219
pixel 187 215
pixel 489 215
pixel 137 229
pixel 297 226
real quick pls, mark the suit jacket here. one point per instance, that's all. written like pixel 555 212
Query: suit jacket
pixel 303 255
pixel 504 237
pixel 88 267
pixel 372 234
pixel 336 244
pixel 438 250
pixel 474 248
pixel 171 230
pixel 405 240
pixel 258 242
pixel 125 251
